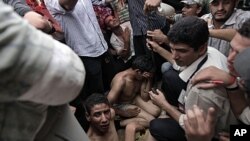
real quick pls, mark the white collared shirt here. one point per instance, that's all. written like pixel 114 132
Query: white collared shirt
pixel 81 29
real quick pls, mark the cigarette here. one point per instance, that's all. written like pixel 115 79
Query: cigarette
pixel 215 81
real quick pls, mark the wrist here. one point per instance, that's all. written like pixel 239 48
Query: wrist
pixel 233 84
pixel 52 30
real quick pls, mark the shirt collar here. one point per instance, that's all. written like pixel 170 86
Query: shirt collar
pixel 189 70
pixel 231 20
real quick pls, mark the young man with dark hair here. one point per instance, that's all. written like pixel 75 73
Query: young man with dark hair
pixel 237 60
pixel 188 42
pixel 101 118
pixel 129 95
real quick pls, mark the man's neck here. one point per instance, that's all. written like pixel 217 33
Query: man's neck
pixel 95 133
pixel 217 24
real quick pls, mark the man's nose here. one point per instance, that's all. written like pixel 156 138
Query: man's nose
pixel 175 55
pixel 104 118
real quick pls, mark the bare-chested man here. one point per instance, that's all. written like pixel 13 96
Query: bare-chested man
pixel 130 98
pixel 101 117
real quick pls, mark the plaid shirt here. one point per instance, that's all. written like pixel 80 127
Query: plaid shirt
pixel 140 21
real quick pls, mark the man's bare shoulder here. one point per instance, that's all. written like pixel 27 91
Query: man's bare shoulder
pixel 120 77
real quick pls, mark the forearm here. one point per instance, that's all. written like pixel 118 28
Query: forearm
pixel 224 34
pixel 127 45
pixel 146 86
pixel 68 4
pixel 172 111
pixel 165 54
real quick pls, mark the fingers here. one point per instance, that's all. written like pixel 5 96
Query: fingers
pixel 159 92
pixel 203 85
pixel 150 33
pixel 225 134
pixel 223 138
pixel 189 130
pixel 199 116
pixel 211 118
pixel 151 5
pixel 192 119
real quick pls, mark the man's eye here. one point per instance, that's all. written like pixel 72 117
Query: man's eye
pixel 97 114
pixel 215 2
pixel 107 112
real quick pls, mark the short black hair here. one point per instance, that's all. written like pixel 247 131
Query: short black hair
pixel 94 99
pixel 189 30
pixel 144 63
pixel 245 29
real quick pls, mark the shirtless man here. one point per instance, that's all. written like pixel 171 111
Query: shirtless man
pixel 101 118
pixel 129 96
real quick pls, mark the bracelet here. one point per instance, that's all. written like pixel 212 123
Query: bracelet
pixel 52 30
pixel 233 83
pixel 234 86
pixel 233 89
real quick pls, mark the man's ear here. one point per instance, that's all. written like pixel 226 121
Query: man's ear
pixel 199 10
pixel 203 49
pixel 236 3
pixel 87 116
pixel 138 71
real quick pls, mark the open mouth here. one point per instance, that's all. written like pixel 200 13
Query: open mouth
pixel 105 126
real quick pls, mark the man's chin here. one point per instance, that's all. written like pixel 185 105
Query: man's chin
pixel 220 19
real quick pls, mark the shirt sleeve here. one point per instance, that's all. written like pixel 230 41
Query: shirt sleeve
pixel 245 116
pixel 19 6
pixel 181 120
pixel 241 18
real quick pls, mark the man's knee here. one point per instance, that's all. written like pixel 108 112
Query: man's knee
pixel 154 126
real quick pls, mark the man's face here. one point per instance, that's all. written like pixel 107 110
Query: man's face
pixel 184 55
pixel 221 10
pixel 112 22
pixel 238 44
pixel 191 10
pixel 99 117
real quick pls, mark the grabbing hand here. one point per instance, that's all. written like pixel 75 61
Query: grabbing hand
pixel 152 45
pixel 224 136
pixel 157 36
pixel 158 98
pixel 126 34
pixel 38 21
pixel 211 77
pixel 131 112
pixel 198 126
pixel 151 5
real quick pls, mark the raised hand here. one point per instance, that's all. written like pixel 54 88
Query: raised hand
pixel 199 127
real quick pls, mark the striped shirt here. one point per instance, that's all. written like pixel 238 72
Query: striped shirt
pixel 81 29
pixel 235 21
pixel 142 22
pixel 122 10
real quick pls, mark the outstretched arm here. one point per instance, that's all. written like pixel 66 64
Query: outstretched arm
pixel 224 34
pixel 161 51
